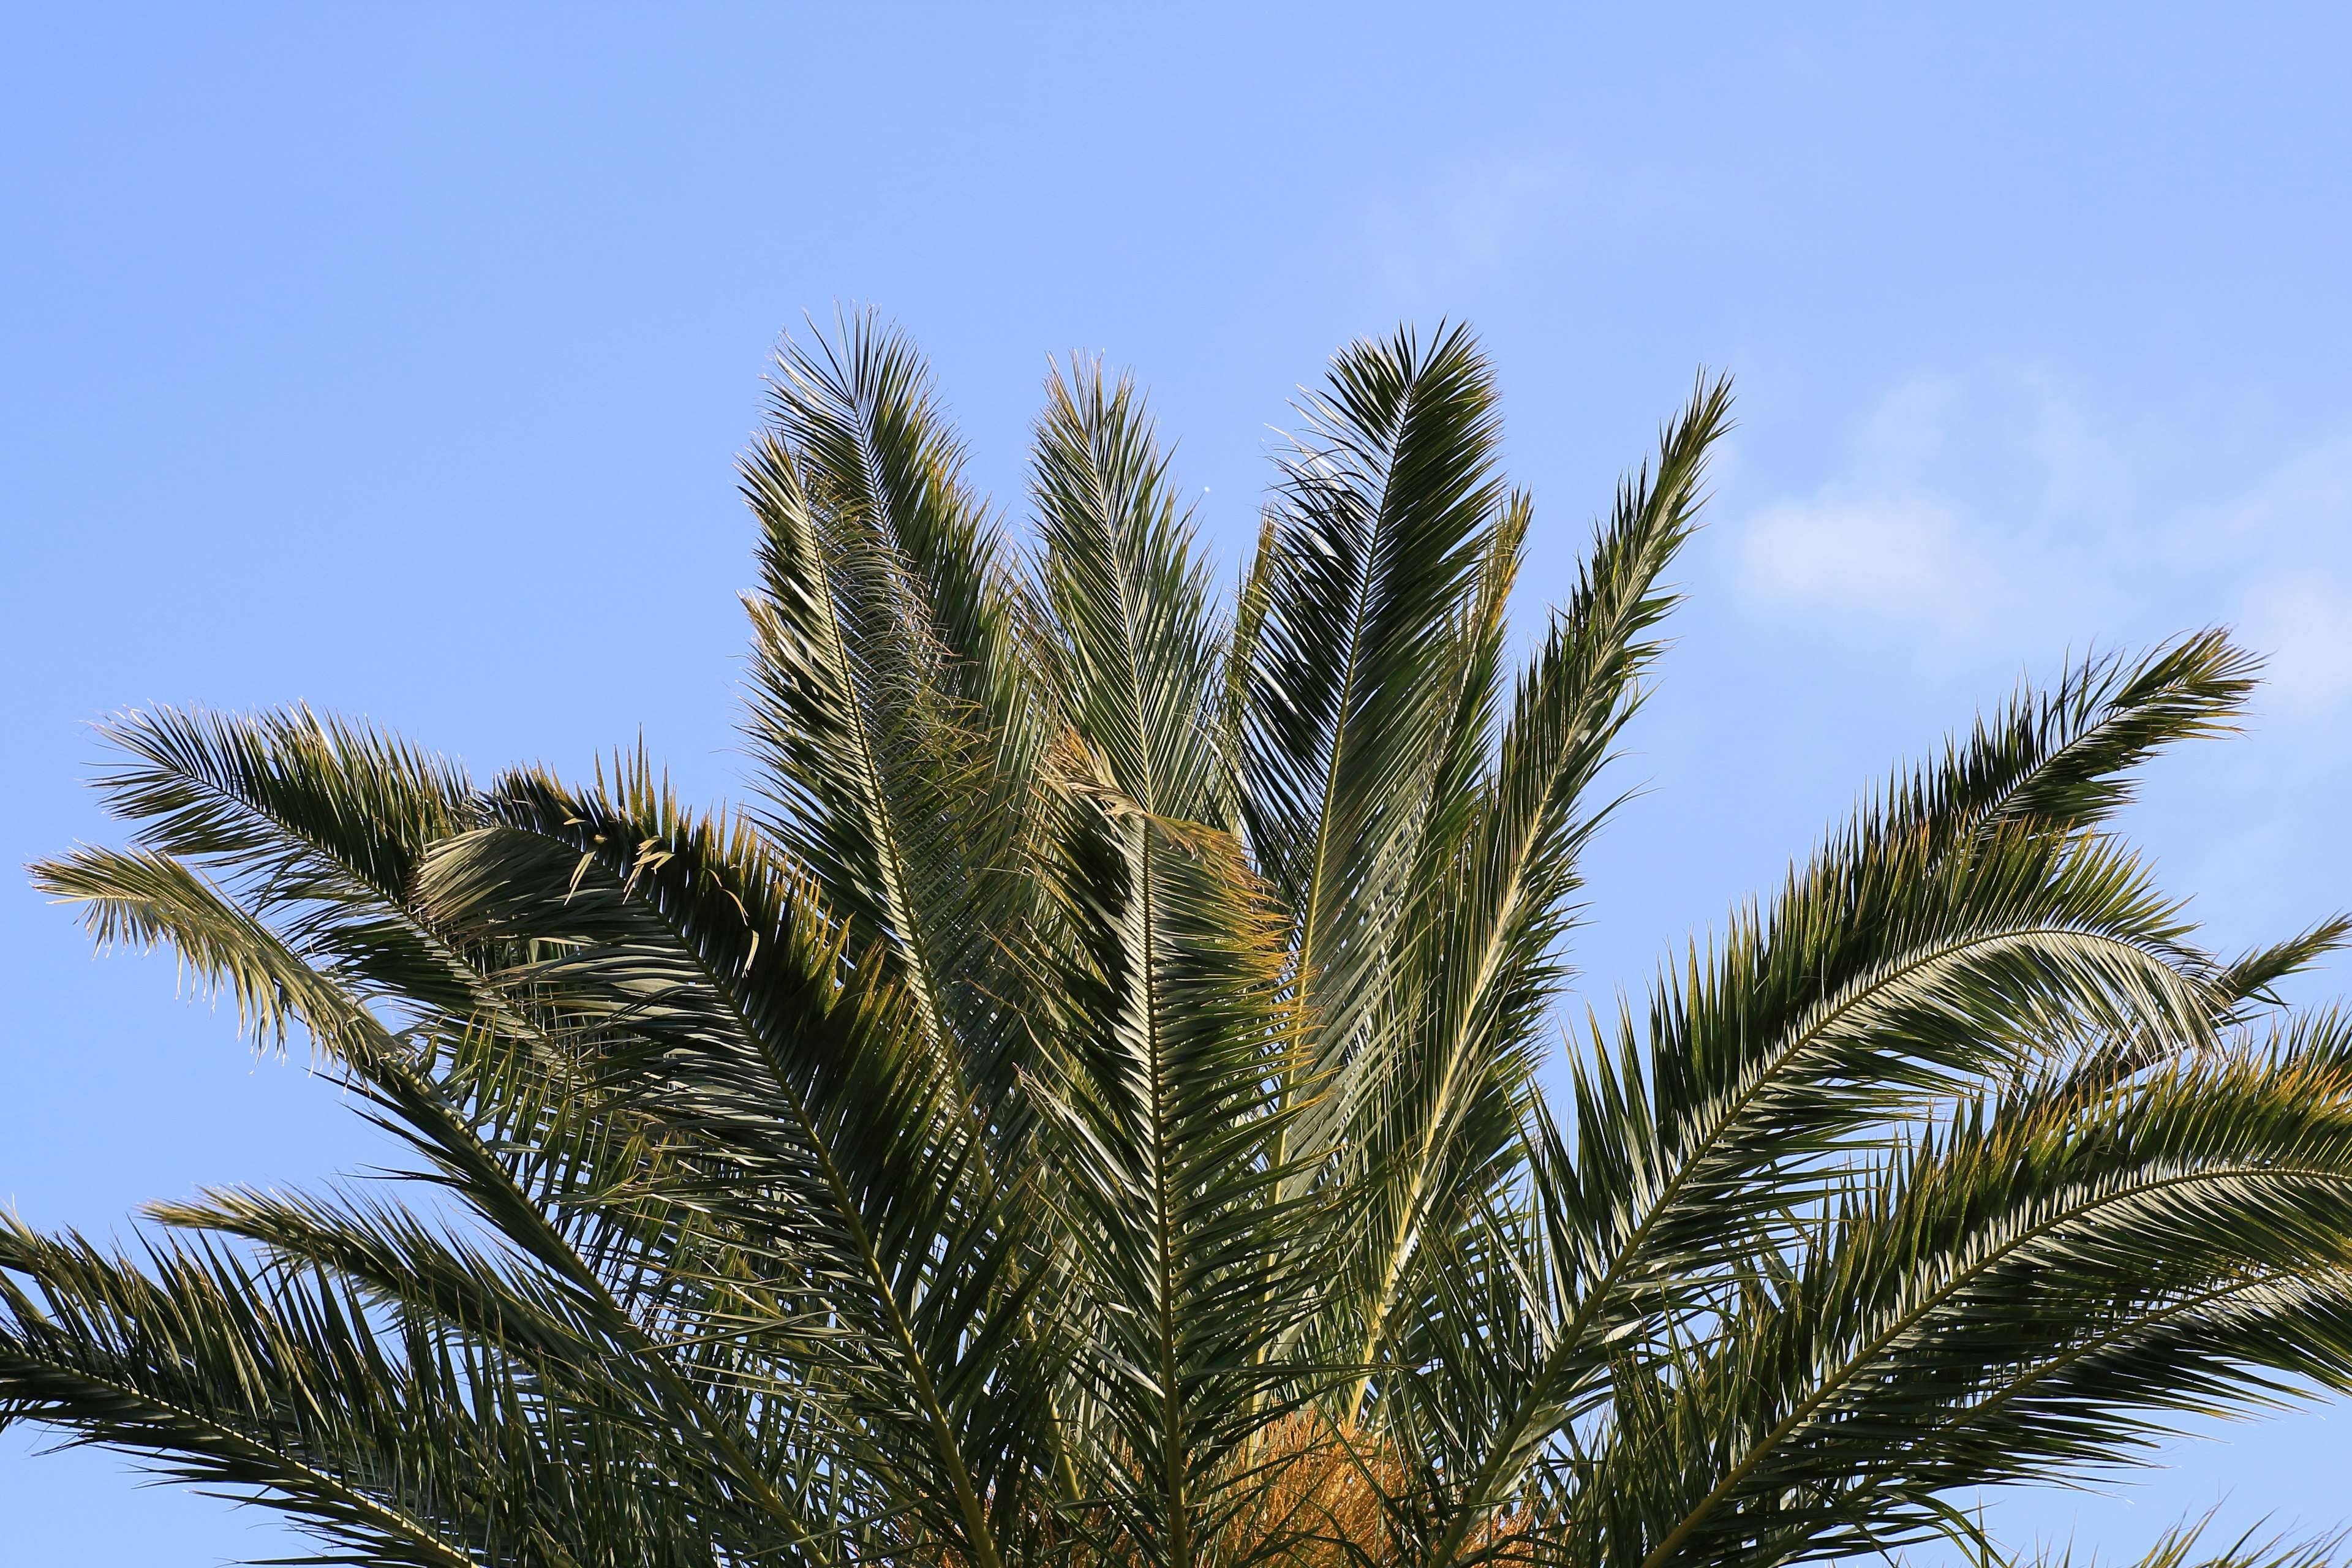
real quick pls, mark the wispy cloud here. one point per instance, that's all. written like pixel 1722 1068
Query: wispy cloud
pixel 1979 511
pixel 2295 530
pixel 1890 540
pixel 1465 228
pixel 1897 555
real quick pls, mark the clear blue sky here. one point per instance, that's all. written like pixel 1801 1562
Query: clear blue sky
pixel 394 357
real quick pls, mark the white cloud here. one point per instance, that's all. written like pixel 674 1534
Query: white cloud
pixel 2288 538
pixel 1889 555
pixel 1892 541
pixel 2005 510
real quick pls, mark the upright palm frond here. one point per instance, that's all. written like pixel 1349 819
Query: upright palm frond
pixel 1185 1241
pixel 1089 1112
pixel 1384 521
pixel 890 705
pixel 1445 1089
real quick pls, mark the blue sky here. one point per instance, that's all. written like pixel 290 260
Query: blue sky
pixel 394 358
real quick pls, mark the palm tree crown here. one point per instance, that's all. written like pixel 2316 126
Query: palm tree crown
pixel 1087 1108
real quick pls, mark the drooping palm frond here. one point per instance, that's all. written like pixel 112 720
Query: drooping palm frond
pixel 829 1140
pixel 526 1141
pixel 1089 1112
pixel 2183 1546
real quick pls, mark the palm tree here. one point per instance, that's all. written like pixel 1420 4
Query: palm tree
pixel 1087 1109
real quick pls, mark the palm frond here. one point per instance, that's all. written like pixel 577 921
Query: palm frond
pixel 1384 519
pixel 2170 1247
pixel 394 1439
pixel 1139 651
pixel 1944 937
pixel 888 703
pixel 846 1146
pixel 1188 1248
pixel 1440 1124
pixel 512 1146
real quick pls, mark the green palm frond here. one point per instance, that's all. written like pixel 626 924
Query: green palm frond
pixel 889 702
pixel 1138 651
pixel 1481 962
pixel 396 1440
pixel 844 1147
pixel 2176 1242
pixel 1941 939
pixel 2182 1546
pixel 1189 1253
pixel 1383 521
